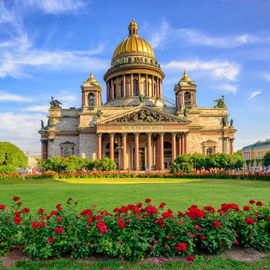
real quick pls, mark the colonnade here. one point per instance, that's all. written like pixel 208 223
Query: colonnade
pixel 123 86
pixel 178 147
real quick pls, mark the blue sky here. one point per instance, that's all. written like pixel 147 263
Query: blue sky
pixel 49 47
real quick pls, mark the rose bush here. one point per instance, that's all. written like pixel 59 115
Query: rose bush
pixel 133 231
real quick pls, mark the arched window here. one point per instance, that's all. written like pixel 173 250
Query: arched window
pixel 187 98
pixel 91 100
pixel 122 89
pixel 135 87
pixel 209 151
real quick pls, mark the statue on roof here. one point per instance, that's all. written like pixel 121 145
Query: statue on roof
pixel 55 104
pixel 220 103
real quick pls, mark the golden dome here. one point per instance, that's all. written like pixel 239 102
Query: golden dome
pixel 134 43
pixel 185 78
pixel 92 79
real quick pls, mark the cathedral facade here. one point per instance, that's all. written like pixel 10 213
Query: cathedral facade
pixel 135 127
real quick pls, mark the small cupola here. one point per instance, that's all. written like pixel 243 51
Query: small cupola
pixel 185 93
pixel 91 92
pixel 133 28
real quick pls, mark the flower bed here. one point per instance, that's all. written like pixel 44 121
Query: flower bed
pixel 115 174
pixel 132 231
pixel 12 176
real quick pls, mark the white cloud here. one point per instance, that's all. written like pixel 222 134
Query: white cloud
pixel 17 64
pixel 267 77
pixel 165 33
pixel 228 88
pixel 217 69
pixel 21 129
pixel 37 108
pixel 13 98
pixel 66 98
pixel 56 6
pixel 254 94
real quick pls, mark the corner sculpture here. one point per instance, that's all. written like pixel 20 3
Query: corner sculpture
pixel 55 104
pixel 220 103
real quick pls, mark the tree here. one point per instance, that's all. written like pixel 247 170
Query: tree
pixel 266 159
pixel 12 156
pixel 198 161
pixel 105 164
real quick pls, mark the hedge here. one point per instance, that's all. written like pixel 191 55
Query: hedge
pixel 132 232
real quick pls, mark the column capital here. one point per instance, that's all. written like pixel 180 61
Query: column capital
pixel 137 133
pixel 173 133
pixel 161 134
pixel 124 134
pixel 149 133
pixel 111 134
pixel 99 134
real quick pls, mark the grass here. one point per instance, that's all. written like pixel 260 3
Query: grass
pixel 179 194
pixel 199 263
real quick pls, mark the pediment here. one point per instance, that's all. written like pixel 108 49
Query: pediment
pixel 143 115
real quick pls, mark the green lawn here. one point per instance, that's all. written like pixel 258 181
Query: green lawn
pixel 179 194
pixel 199 263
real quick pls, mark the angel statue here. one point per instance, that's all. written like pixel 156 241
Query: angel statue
pixel 220 103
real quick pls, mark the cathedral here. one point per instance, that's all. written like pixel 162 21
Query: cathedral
pixel 137 127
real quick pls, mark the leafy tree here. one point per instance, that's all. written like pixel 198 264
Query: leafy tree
pixel 8 169
pixel 266 159
pixel 53 164
pixel 198 161
pixel 181 167
pixel 105 164
pixel 11 155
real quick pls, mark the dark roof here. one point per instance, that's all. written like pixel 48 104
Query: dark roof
pixel 257 144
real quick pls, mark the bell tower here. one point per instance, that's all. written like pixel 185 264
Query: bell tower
pixel 91 92
pixel 185 93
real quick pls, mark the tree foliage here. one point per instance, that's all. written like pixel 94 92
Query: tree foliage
pixel 75 164
pixel 266 159
pixel 11 155
pixel 198 161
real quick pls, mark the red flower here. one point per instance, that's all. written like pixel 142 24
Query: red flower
pixel 249 220
pixel 259 203
pixel 89 220
pixel 147 200
pixel 2 207
pixel 195 212
pixel 216 224
pixel 191 258
pixel 19 203
pixel 139 205
pixel 151 210
pixel 197 227
pixel 59 219
pixel 202 237
pixel 41 211
pixel 121 224
pixel 16 198
pixel 162 205
pixel 41 225
pixel 50 240
pixel 17 220
pixel 251 201
pixel 268 218
pixel 101 226
pixel 246 208
pixel 181 247
pixel 151 246
pixel 34 224
pixel 87 212
pixel 59 230
pixel 26 210
pixel 58 206
pixel 210 209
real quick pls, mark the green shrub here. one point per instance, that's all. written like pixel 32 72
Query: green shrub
pixel 8 169
pixel 105 164
pixel 10 154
